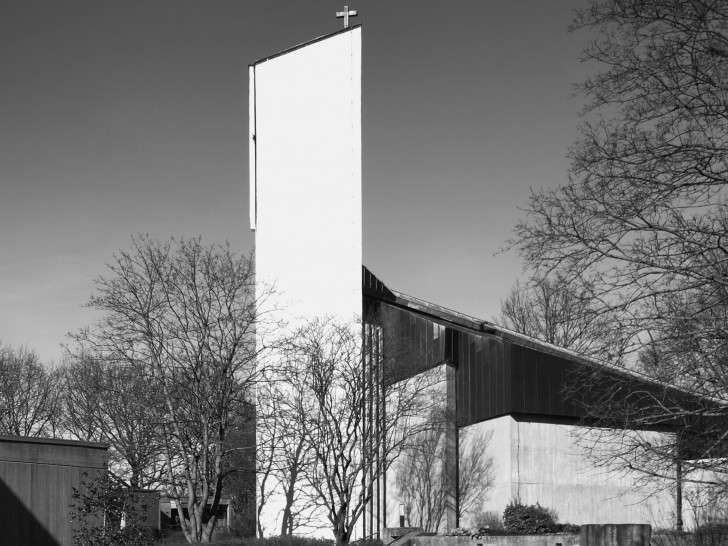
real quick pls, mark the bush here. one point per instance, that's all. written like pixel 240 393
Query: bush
pixel 528 519
pixel 488 520
pixel 104 513
pixel 567 528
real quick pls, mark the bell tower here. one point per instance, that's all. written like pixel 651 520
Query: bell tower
pixel 305 176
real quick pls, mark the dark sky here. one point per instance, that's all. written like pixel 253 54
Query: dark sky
pixel 127 117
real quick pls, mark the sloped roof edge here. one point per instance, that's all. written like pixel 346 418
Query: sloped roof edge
pixel 462 320
pixel 304 44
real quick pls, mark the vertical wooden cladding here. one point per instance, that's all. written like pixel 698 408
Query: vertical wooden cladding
pixel 539 383
pixel 495 375
pixel 372 286
pixel 37 477
pixel 414 340
pixel 518 395
pixel 556 385
pixel 498 377
pixel 482 376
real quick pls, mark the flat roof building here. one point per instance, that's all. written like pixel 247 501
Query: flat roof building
pixel 37 477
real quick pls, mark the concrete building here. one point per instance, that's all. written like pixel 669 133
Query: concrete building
pixel 522 392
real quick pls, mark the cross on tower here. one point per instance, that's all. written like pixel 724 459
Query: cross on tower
pixel 346 14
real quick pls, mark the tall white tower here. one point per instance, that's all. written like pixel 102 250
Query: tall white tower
pixel 305 176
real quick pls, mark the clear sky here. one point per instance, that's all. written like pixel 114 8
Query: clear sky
pixel 128 117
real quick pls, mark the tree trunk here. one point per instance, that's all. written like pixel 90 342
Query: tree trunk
pixel 287 521
pixel 678 496
pixel 257 522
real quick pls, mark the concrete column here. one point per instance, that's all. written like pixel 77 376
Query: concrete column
pixel 450 465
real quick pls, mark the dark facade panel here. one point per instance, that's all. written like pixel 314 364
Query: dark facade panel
pixel 37 477
pixel 479 380
pixel 411 337
pixel 494 384
pixel 556 383
pixel 569 370
pixel 498 372
pixel 494 376
pixel 530 382
pixel 543 382
pixel 476 393
pixel 372 286
pixel 518 397
pixel 460 382
pixel 505 373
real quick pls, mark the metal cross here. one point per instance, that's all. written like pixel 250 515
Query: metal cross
pixel 346 14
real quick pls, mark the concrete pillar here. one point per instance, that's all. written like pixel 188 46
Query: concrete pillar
pixel 450 465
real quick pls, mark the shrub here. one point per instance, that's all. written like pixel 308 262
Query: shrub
pixel 104 513
pixel 528 519
pixel 488 520
pixel 568 528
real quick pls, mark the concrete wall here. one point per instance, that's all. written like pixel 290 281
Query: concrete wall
pixel 305 190
pixel 544 463
pixel 305 150
pixel 530 540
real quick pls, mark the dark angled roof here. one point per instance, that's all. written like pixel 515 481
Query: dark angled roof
pixel 304 44
pixel 500 371
pixel 375 288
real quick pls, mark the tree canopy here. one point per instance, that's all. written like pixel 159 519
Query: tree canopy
pixel 643 215
pixel 182 316
pixel 640 227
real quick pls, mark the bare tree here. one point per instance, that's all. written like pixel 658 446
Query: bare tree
pixel 550 310
pixel 299 509
pixel 330 394
pixel 185 313
pixel 282 453
pixel 420 475
pixel 116 402
pixel 269 428
pixel 29 394
pixel 476 472
pixel 641 224
pixel 240 471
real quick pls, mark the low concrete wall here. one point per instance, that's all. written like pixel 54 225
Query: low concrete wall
pixel 525 540
pixel 626 534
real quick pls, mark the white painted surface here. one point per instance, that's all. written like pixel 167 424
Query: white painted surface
pixel 252 163
pixel 544 463
pixel 305 193
pixel 306 144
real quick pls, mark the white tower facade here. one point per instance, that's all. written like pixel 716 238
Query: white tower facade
pixel 305 177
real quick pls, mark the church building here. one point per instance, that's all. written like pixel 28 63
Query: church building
pixel 305 209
